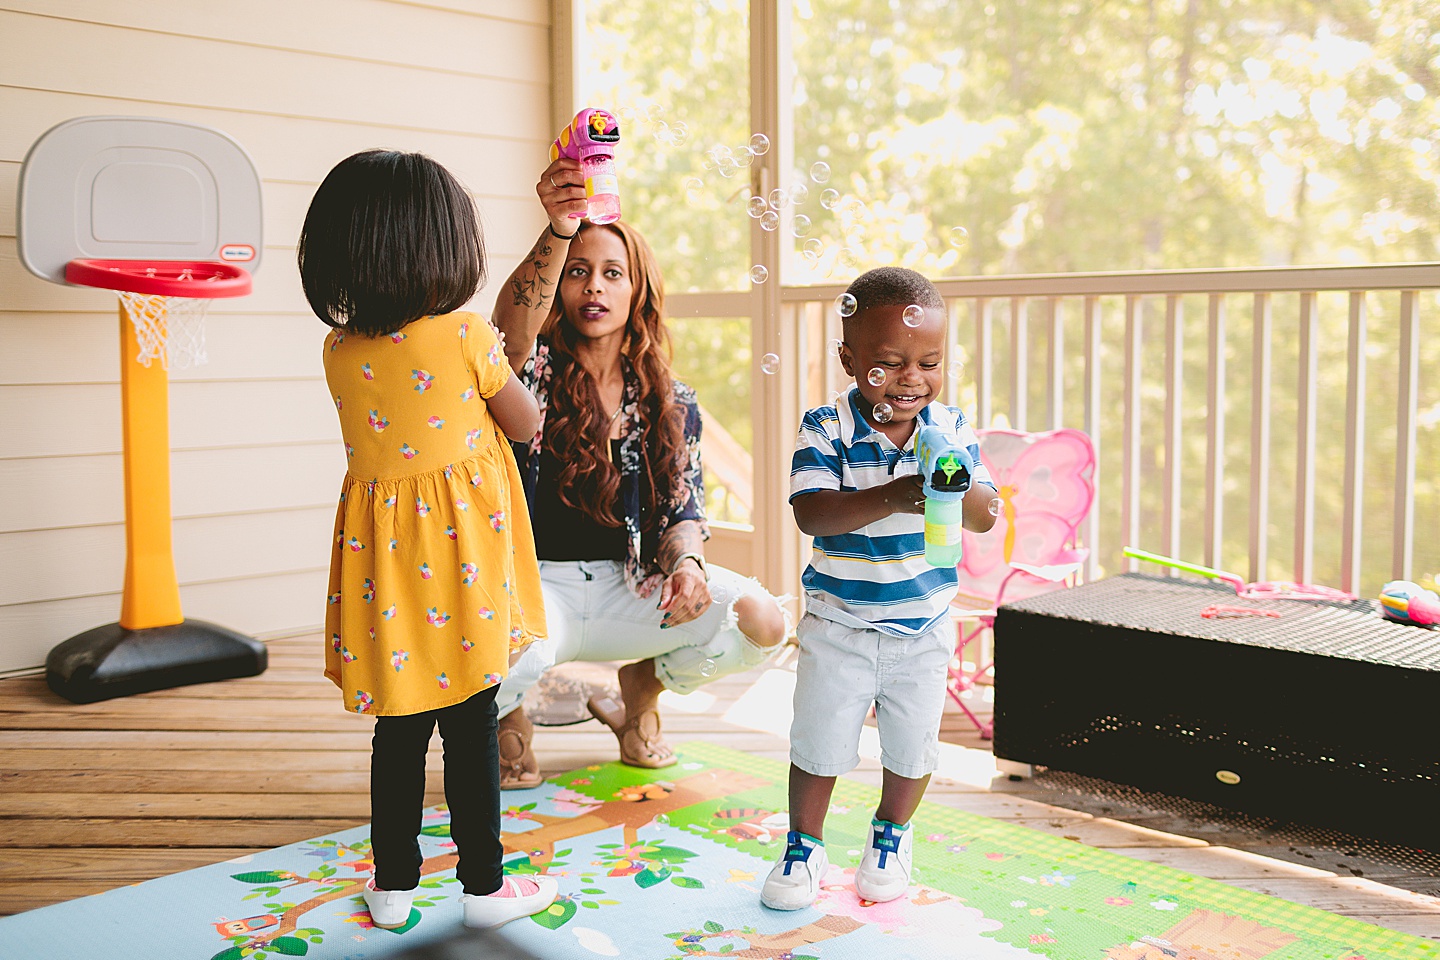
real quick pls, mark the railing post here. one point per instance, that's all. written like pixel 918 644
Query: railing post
pixel 1407 403
pixel 1305 441
pixel 1351 548
pixel 1174 418
pixel 1019 362
pixel 1056 392
pixel 1215 408
pixel 1260 438
pixel 1130 480
pixel 1092 426
pixel 984 363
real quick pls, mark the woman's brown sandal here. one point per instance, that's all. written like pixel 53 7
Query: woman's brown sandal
pixel 640 742
pixel 519 770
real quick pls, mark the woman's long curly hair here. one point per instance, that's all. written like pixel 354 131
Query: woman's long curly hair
pixel 577 428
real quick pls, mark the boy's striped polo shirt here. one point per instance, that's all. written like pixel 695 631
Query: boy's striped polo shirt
pixel 874 577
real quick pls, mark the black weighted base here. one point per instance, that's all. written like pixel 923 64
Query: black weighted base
pixel 111 661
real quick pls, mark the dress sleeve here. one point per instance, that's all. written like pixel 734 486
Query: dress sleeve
pixel 484 354
pixel 690 501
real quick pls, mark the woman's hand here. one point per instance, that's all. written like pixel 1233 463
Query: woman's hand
pixel 684 595
pixel 561 189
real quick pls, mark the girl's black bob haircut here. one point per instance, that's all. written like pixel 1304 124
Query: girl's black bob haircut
pixel 389 238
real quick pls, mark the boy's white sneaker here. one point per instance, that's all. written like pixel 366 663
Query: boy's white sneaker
pixel 510 902
pixel 388 908
pixel 884 871
pixel 794 881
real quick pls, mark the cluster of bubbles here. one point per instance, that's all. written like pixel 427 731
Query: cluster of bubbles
pixel 669 134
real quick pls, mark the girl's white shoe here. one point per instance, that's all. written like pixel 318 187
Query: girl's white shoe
pixel 510 902
pixel 388 908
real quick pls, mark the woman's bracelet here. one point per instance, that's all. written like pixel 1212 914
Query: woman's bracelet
pixel 560 236
pixel 699 560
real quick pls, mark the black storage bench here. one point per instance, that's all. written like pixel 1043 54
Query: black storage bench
pixel 1327 715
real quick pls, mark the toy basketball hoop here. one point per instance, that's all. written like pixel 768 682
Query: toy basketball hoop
pixel 165 300
pixel 168 216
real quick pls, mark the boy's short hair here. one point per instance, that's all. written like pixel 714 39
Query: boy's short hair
pixel 889 287
pixel 390 237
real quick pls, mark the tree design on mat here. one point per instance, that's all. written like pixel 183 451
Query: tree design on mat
pixel 1206 935
pixel 538 846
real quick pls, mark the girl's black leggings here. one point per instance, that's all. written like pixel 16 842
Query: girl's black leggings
pixel 472 791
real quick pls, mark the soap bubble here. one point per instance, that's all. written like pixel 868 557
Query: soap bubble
pixel 759 273
pixel 769 220
pixel 779 198
pixel 744 157
pixel 996 507
pixel 661 818
pixel 679 132
pixel 654 112
pixel 833 347
pixel 707 669
pixel 625 114
pixel 914 315
pixel 829 198
pixel 718 591
pixel 799 194
pixel 959 236
pixel 845 304
pixel 801 226
pixel 876 377
pixel 662 132
pixel 770 363
pixel 819 171
pixel 693 186
pixel 760 144
pixel 883 413
pixel 720 150
pixel 957 367
pixel 812 249
pixel 727 167
pixel 756 207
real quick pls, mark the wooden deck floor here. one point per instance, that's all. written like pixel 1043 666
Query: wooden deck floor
pixel 98 796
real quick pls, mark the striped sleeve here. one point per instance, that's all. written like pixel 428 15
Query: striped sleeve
pixel 815 464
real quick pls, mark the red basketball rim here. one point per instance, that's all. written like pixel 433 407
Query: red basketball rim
pixel 199 279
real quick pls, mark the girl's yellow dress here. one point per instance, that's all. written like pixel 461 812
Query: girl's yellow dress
pixel 433 578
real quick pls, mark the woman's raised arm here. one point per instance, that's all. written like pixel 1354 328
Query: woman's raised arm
pixel 525 300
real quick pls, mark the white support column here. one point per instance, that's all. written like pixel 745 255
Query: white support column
pixel 567 38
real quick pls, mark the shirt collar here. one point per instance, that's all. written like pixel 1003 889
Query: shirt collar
pixel 853 422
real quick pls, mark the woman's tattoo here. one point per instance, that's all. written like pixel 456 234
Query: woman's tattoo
pixel 532 289
pixel 679 539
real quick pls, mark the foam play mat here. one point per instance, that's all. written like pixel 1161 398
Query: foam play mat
pixel 668 864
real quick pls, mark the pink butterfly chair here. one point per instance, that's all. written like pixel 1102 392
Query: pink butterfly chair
pixel 1046 482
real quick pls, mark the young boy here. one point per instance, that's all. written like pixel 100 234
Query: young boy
pixel 876 628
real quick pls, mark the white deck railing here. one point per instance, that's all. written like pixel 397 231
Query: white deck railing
pixel 1218 441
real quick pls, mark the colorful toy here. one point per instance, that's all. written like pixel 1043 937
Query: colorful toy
pixel 1407 602
pixel 1260 590
pixel 592 138
pixel 945 465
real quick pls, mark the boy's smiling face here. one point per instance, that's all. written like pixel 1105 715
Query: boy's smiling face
pixel 912 358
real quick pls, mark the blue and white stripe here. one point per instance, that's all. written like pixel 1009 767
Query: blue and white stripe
pixel 875 577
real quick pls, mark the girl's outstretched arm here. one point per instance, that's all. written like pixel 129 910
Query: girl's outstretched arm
pixel 515 410
pixel 525 300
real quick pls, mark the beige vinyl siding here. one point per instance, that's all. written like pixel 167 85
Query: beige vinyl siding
pixel 256 459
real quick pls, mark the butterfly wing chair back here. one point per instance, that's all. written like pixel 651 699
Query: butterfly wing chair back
pixel 1046 484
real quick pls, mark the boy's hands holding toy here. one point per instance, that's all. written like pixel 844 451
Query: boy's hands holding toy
pixel 905 494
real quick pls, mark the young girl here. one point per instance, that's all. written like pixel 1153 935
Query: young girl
pixel 433 578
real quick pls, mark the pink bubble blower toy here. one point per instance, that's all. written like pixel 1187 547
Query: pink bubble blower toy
pixel 592 138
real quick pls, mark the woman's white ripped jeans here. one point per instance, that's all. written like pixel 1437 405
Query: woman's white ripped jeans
pixel 591 615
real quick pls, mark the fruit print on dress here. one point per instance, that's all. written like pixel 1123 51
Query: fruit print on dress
pixel 339 339
pixel 421 507
pixel 368 594
pixel 492 678
pixel 339 404
pixel 389 501
pixel 465 395
pixel 349 451
pixel 388 613
pixel 355 545
pixel 335 642
pixel 347 656
pixel 377 422
pixel 333 598
pixel 393 544
pixel 486 613
pixel 461 505
pixel 398 659
pixel 451 532
pixel 444 681
pixel 424 380
pixel 366 701
pixel 435 618
pixel 466 645
pixel 476 481
pixel 497 520
pixel 398 336
pixel 469 572
pixel 464 329
pixel 436 422
pixel 407 451
pixel 372 633
pixel 494 356
pixel 425 571
pixel 470 437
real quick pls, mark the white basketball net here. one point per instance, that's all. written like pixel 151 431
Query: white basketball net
pixel 171 328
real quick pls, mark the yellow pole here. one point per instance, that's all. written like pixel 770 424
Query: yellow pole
pixel 152 594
